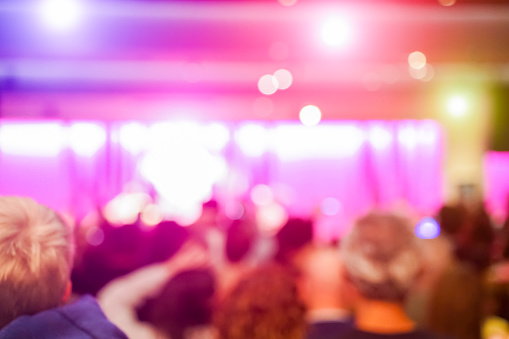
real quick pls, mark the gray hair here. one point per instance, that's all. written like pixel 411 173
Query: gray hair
pixel 381 256
pixel 36 250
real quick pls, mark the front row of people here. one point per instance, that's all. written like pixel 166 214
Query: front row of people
pixel 380 261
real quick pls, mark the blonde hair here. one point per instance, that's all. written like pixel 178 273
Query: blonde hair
pixel 36 251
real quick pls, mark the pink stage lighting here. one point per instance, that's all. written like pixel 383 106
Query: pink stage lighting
pixel 252 139
pixel 268 84
pixel 336 32
pixel 380 137
pixel 297 142
pixel 133 137
pixel 181 169
pixel 32 139
pixel 86 139
pixel 60 14
pixel 427 228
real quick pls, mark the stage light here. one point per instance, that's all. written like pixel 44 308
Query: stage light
pixel 151 215
pixel 262 195
pixel 336 32
pixel 270 218
pixel 61 14
pixel 284 78
pixel 457 106
pixel 181 169
pixel 125 208
pixel 171 134
pixel 407 137
pixel 86 139
pixel 268 84
pixel 379 137
pixel 252 139
pixel 417 60
pixel 310 115
pixel 427 228
pixel 234 210
pixel 94 236
pixel 215 137
pixel 297 142
pixel 133 137
pixel 32 139
pixel 428 133
pixel 330 206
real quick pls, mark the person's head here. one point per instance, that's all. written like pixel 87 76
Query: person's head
pixel 452 219
pixel 167 238
pixel 36 250
pixel 240 237
pixel 381 257
pixel 320 277
pixel 184 302
pixel 264 304
pixel 293 237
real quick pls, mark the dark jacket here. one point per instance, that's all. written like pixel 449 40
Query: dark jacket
pixel 82 319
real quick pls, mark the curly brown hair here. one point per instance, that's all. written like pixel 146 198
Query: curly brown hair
pixel 263 305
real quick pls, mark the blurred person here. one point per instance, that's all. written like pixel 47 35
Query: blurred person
pixel 294 236
pixel 207 230
pixel 241 238
pixel 36 254
pixel 164 241
pixel 455 303
pixel 121 298
pixel 117 254
pixel 382 260
pixel 319 284
pixel 183 309
pixel 438 255
pixel 471 233
pixel 263 305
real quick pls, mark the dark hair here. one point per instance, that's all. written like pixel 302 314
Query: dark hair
pixel 184 302
pixel 239 240
pixel 293 236
pixel 166 240
pixel 452 219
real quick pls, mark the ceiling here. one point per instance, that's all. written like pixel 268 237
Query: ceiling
pixel 203 59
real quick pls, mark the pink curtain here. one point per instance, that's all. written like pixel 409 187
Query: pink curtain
pixel 337 169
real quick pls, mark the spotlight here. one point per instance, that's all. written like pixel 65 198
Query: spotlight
pixel 417 60
pixel 427 228
pixel 457 106
pixel 268 84
pixel 310 115
pixel 335 32
pixel 60 14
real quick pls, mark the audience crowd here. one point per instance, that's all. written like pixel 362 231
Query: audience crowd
pixel 227 280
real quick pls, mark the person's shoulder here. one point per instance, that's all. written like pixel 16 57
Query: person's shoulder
pixel 81 319
pixel 417 334
pixel 328 329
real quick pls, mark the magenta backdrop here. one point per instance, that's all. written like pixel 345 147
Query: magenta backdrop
pixel 360 165
pixel 496 183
